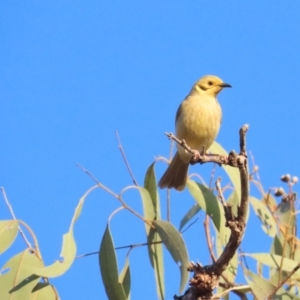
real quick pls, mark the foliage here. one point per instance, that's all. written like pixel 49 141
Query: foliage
pixel 25 276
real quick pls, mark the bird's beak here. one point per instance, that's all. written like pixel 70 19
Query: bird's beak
pixel 224 85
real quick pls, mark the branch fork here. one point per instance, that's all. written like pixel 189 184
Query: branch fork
pixel 206 278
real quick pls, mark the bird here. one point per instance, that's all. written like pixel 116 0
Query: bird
pixel 197 121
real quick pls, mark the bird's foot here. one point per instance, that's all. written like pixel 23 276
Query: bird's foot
pixel 196 155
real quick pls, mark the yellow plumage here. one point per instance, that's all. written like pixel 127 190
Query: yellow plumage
pixel 198 121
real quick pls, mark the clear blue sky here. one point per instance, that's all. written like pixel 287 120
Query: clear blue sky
pixel 72 72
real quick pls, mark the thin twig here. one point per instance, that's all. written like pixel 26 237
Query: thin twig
pixel 161 158
pixel 191 224
pixel 271 296
pixel 87 254
pixel 119 248
pixel 125 159
pixel 220 194
pixel 212 175
pixel 258 186
pixel 197 176
pixel 231 288
pixel 118 197
pixel 115 212
pixel 243 260
pixel 171 150
pixel 14 217
pixel 138 245
pixel 253 162
pixel 168 205
pixel 208 239
pixel 168 190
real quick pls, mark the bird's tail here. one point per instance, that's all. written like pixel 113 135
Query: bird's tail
pixel 176 174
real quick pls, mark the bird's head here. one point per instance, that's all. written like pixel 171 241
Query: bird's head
pixel 210 85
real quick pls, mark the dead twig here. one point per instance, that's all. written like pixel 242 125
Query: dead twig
pixel 14 217
pixel 125 159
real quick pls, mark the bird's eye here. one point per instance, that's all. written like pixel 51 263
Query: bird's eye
pixel 210 83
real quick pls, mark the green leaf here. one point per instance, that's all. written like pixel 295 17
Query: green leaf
pixel 234 200
pixel 173 241
pixel 125 278
pixel 259 286
pixel 277 262
pixel 149 212
pixel 224 293
pixel 109 268
pixel 44 291
pixel 281 246
pixel 233 173
pixel 287 217
pixel 8 233
pixel 60 267
pixel 151 186
pixel 68 251
pixel 19 281
pixel 209 203
pixel 265 216
pixel 155 251
pixel 270 201
pixel 189 215
pixel 263 288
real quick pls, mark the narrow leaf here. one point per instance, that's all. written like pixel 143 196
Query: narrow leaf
pixel 265 216
pixel 234 200
pixel 287 217
pixel 213 208
pixel 189 215
pixel 224 294
pixel 125 278
pixel 277 262
pixel 155 251
pixel 263 288
pixel 151 186
pixel 109 268
pixel 68 251
pixel 44 291
pixel 259 286
pixel 19 281
pixel 8 233
pixel 173 241
pixel 281 245
pixel 207 201
pixel 149 212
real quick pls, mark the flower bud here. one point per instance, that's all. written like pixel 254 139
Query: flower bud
pixel 285 178
pixel 279 192
pixel 295 179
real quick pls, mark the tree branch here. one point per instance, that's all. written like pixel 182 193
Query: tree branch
pixel 206 278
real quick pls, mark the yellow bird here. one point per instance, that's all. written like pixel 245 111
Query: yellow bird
pixel 198 121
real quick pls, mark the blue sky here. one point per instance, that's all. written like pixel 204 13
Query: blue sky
pixel 72 72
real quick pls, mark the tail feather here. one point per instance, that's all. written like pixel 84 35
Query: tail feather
pixel 176 174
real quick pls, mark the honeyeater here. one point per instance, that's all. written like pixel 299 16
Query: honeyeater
pixel 197 121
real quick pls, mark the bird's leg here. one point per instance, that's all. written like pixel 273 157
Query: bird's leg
pixel 203 151
pixel 196 155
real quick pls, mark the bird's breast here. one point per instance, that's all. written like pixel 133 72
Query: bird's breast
pixel 198 122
